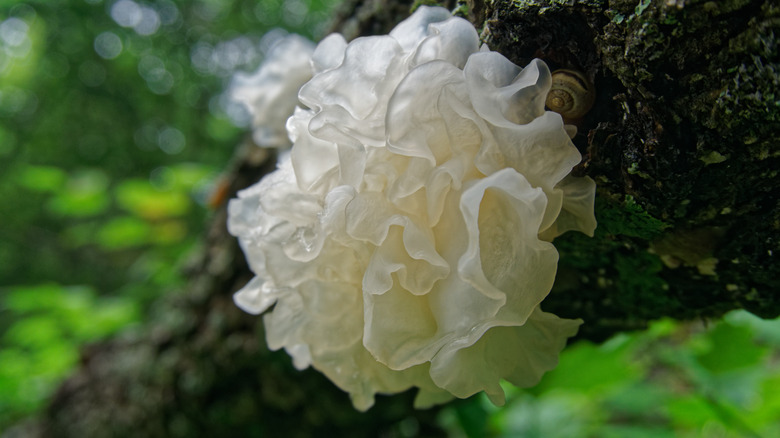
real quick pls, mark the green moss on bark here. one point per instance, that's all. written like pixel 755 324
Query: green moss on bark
pixel 684 138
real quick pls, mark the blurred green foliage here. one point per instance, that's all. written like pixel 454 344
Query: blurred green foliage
pixel 50 323
pixel 113 129
pixel 673 380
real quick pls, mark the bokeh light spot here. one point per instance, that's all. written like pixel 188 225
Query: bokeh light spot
pixel 13 31
pixel 126 13
pixel 108 45
pixel 149 22
pixel 14 39
pixel 171 141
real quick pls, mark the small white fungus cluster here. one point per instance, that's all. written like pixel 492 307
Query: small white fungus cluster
pixel 405 240
pixel 271 93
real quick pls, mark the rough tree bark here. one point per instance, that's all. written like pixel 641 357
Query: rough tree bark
pixel 682 142
pixel 683 145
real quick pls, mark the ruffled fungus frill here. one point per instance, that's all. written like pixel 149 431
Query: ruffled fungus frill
pixel 405 241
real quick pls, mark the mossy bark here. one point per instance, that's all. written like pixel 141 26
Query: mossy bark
pixel 682 142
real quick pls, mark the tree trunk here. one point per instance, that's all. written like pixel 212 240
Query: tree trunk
pixel 682 142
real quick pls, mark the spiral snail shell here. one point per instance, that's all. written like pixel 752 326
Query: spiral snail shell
pixel 571 94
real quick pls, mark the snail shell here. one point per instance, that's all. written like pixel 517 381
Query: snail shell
pixel 571 94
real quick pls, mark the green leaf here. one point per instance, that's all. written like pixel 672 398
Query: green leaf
pixel 14 364
pixel 767 408
pixel 221 128
pixel 731 348
pixel 642 399
pixel 83 196
pixel 34 332
pixel 78 204
pixel 186 176
pixel 42 178
pixel 142 199
pixel 28 298
pixel 123 232
pixel 559 414
pixel 55 360
pixel 766 330
pixel 638 431
pixel 593 369
pixel 690 411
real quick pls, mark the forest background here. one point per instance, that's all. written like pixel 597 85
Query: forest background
pixel 114 130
